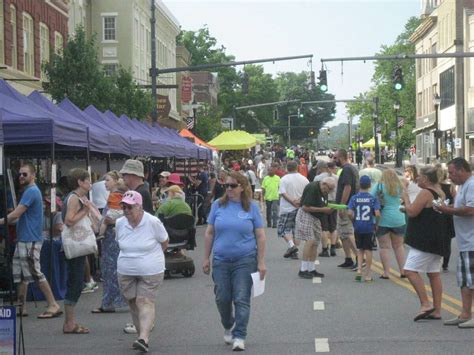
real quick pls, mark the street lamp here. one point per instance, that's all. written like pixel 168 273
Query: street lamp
pixel 396 107
pixel 436 103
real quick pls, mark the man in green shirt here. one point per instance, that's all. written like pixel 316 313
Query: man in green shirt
pixel 270 190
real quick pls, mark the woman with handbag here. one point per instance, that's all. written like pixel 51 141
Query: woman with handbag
pixel 78 242
pixel 392 222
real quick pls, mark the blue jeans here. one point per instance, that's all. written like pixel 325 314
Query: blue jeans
pixel 75 279
pixel 233 285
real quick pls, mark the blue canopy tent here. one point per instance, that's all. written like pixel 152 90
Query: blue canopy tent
pixel 198 152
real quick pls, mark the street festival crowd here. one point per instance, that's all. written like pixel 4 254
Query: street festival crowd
pixel 308 201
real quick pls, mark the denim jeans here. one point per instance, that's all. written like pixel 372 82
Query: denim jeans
pixel 272 212
pixel 232 286
pixel 75 279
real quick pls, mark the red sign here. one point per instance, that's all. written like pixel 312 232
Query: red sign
pixel 186 89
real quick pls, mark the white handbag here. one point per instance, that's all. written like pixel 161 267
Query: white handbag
pixel 79 240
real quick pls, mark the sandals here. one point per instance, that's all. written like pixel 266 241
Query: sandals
pixel 103 310
pixel 78 329
pixel 49 315
pixel 383 277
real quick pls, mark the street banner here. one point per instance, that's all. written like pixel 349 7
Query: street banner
pixel 163 106
pixel 7 330
pixel 186 89
pixel 401 122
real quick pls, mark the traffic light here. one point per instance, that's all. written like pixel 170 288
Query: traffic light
pixel 311 132
pixel 245 83
pixel 312 80
pixel 300 114
pixel 329 131
pixel 323 80
pixel 398 79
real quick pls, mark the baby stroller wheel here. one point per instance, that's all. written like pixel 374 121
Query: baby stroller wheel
pixel 188 272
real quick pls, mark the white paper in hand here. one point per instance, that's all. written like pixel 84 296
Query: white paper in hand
pixel 258 285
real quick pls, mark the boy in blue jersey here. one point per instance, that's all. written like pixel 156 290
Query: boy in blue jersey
pixel 364 210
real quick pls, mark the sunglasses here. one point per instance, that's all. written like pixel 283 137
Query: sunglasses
pixel 231 186
pixel 24 174
pixel 127 207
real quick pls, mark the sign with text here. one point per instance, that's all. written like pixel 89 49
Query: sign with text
pixel 163 106
pixel 7 330
pixel 227 123
pixel 186 89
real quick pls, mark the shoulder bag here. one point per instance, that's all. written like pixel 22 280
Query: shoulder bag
pixel 380 195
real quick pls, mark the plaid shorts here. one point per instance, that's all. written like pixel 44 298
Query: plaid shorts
pixel 307 226
pixel 465 269
pixel 26 263
pixel 286 223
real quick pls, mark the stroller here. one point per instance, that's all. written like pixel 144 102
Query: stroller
pixel 182 235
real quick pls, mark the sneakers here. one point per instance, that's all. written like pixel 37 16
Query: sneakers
pixel 316 274
pixel 130 329
pixel 90 287
pixel 324 252
pixel 333 250
pixel 290 251
pixel 467 325
pixel 228 336
pixel 457 321
pixel 305 274
pixel 347 264
pixel 140 345
pixel 294 256
pixel 239 345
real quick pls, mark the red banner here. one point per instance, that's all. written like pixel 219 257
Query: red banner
pixel 186 89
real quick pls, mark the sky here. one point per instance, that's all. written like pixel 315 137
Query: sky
pixel 324 28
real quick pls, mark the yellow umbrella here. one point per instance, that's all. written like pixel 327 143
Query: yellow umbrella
pixel 371 143
pixel 233 140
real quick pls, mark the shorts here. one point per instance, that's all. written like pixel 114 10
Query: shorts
pixel 26 262
pixel 140 286
pixel 329 222
pixel 465 269
pixel 364 241
pixel 307 227
pixel 344 227
pixel 420 261
pixel 286 223
pixel 381 231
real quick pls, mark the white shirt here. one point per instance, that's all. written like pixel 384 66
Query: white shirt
pixel 261 170
pixel 251 176
pixel 412 190
pixel 140 247
pixel 99 194
pixel 293 185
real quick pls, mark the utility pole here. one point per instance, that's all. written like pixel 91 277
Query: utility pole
pixel 153 69
pixel 376 124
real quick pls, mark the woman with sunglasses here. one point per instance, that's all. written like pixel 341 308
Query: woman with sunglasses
pixel 236 238
pixel 141 263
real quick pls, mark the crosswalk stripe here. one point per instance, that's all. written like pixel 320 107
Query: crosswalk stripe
pixel 318 306
pixel 316 280
pixel 321 345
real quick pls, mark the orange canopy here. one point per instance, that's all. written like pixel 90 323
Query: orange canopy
pixel 188 134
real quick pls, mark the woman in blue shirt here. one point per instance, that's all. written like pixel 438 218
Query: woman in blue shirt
pixel 392 223
pixel 236 238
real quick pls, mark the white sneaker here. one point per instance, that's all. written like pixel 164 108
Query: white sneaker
pixel 239 345
pixel 467 325
pixel 89 288
pixel 130 329
pixel 228 336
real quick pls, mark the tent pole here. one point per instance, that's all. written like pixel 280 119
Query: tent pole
pixel 7 236
pixel 53 188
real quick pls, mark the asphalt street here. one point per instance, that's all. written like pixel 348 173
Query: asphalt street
pixel 356 318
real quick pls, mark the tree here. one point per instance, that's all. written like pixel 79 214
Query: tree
pixel 383 89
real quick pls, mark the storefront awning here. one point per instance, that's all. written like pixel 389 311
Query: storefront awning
pixel 419 129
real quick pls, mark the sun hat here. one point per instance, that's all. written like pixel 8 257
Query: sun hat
pixel 133 167
pixel 174 179
pixel 165 173
pixel 132 198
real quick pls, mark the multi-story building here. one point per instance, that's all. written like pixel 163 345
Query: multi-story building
pixel 123 33
pixel 440 124
pixel 205 87
pixel 29 31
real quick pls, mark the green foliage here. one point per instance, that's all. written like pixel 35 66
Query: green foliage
pixel 77 74
pixel 383 89
pixel 208 122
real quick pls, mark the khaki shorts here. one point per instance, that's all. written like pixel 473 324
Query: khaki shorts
pixel 26 263
pixel 344 226
pixel 140 286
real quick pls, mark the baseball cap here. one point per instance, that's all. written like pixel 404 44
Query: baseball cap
pixel 364 181
pixel 133 167
pixel 165 173
pixel 132 198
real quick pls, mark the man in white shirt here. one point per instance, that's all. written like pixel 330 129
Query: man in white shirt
pixel 291 190
pixel 371 171
pixel 99 194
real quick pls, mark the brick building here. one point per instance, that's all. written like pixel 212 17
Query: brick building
pixel 205 87
pixel 30 31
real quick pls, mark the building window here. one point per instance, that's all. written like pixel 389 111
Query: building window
pixel 44 47
pixel 2 35
pixel 14 38
pixel 419 104
pixel 28 45
pixel 109 25
pixel 110 69
pixel 58 43
pixel 434 62
pixel 446 87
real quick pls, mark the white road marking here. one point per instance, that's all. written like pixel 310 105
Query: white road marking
pixel 318 306
pixel 316 280
pixel 321 345
pixel 316 262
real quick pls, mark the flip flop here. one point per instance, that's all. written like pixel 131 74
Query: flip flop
pixel 384 277
pixel 49 315
pixel 433 317
pixel 424 315
pixel 102 310
pixel 78 329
